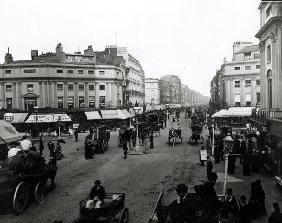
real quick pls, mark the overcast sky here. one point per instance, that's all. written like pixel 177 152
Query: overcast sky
pixel 182 37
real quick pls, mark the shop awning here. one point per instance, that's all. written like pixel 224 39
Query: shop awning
pixel 48 118
pixel 8 133
pixel 17 117
pixel 127 114
pixel 234 112
pixel 93 115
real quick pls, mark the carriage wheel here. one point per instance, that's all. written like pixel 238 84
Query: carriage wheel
pixel 124 216
pixel 20 198
pixel 39 192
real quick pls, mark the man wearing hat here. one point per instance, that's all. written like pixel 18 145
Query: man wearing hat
pixel 97 195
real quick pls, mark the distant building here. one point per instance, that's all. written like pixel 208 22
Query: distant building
pixel 241 76
pixel 152 91
pixel 175 88
pixel 60 80
pixel 217 91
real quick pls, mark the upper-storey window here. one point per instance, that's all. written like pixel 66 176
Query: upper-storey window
pixel 101 72
pixel 236 68
pixel 30 88
pixel 256 55
pixel 60 71
pixel 80 72
pixel 8 88
pixel 8 71
pixel 248 83
pixel 268 53
pixel 29 71
pixel 237 83
pixel 247 56
pixel 90 71
pixel 60 87
pixel 257 66
pixel 248 67
pixel 69 71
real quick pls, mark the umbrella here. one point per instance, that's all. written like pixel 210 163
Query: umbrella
pixel 61 141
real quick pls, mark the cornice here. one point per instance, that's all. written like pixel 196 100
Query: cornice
pixel 266 30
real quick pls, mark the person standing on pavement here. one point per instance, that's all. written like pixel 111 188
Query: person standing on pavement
pixel 209 167
pixel 76 135
pixel 209 146
pixel 244 213
pixel 51 148
pixel 41 146
pixel 276 215
pixel 124 147
pixel 151 140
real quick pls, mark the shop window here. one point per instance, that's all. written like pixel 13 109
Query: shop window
pixel 60 102
pixel 81 102
pixel 91 102
pixel 237 104
pixel 248 104
pixel 258 98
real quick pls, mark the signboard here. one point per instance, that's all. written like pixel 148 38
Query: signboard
pixel 75 126
pixel 203 155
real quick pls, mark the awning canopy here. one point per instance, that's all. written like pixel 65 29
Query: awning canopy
pixel 48 118
pixel 234 112
pixel 93 115
pixel 16 117
pixel 115 114
pixel 8 133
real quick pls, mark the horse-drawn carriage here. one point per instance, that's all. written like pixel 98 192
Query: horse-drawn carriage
pixel 99 138
pixel 25 177
pixel 113 209
pixel 196 136
pixel 173 135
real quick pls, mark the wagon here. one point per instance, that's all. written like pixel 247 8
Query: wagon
pixel 99 139
pixel 196 136
pixel 24 178
pixel 113 209
pixel 173 135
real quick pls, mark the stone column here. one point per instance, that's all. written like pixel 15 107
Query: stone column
pixel 253 91
pixel 19 91
pixel 96 95
pixel 40 104
pixel 86 98
pixel 46 87
pixel 14 99
pixel 2 95
pixel 55 100
pixel 76 105
pixel 65 94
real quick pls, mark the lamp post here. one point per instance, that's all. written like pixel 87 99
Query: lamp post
pixel 9 117
pixel 167 117
pixel 228 144
pixel 137 111
pixel 213 125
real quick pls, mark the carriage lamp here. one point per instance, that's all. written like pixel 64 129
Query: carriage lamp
pixel 228 145
pixel 9 117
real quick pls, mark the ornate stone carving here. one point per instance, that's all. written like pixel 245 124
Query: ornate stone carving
pixel 273 35
pixel 262 46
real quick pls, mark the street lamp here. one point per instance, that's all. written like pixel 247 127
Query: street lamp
pixel 228 145
pixel 9 117
pixel 213 126
pixel 137 111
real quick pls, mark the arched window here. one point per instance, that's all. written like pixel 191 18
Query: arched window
pixel 269 88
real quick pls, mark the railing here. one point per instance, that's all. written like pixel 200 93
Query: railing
pixel 263 115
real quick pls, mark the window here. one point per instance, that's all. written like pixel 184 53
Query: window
pixel 91 87
pixel 60 102
pixel 237 104
pixel 248 100
pixel 9 88
pixel 30 88
pixel 9 103
pixel 258 82
pixel 248 83
pixel 80 72
pixel 90 71
pixel 248 104
pixel 69 71
pixel 258 97
pixel 8 71
pixel 101 87
pixel 81 87
pixel 256 56
pixel 237 100
pixel 59 71
pixel 81 102
pixel 257 66
pixel 268 53
pixel 269 88
pixel 70 87
pixel 29 71
pixel 60 87
pixel 236 68
pixel 102 101
pixel 101 72
pixel 91 102
pixel 70 102
pixel 248 67
pixel 268 11
pixel 247 56
pixel 237 83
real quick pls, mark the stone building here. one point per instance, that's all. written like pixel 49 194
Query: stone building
pixel 152 91
pixel 175 88
pixel 217 91
pixel 60 80
pixel 241 76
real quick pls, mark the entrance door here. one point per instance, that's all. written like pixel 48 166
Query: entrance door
pixel 30 103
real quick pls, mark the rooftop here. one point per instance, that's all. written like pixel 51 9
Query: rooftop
pixel 248 49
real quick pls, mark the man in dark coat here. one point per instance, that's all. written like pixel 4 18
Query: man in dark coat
pixel 276 215
pixel 209 167
pixel 41 146
pixel 244 213
pixel 76 135
pixel 51 148
pixel 151 140
pixel 124 147
pixel 97 191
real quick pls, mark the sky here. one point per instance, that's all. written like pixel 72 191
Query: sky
pixel 181 37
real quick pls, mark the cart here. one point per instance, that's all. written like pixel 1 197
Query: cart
pixel 113 209
pixel 99 139
pixel 196 136
pixel 24 178
pixel 173 135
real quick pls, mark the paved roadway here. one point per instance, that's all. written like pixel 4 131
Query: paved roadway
pixel 141 177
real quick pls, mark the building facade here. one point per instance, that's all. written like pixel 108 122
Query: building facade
pixel 60 80
pixel 217 91
pixel 152 91
pixel 241 76
pixel 175 88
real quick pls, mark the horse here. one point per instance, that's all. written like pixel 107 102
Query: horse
pixel 173 134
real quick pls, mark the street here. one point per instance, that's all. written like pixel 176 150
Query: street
pixel 141 177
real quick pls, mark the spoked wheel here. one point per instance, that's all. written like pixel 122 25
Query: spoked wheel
pixel 39 192
pixel 124 216
pixel 20 199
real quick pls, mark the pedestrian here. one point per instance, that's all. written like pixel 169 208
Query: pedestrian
pixel 151 140
pixel 216 154
pixel 124 147
pixel 209 167
pixel 51 148
pixel 88 153
pixel 257 200
pixel 243 150
pixel 76 135
pixel 244 213
pixel 213 178
pixel 33 148
pixel 276 215
pixel 41 146
pixel 231 206
pixel 209 145
pixel 134 137
pixel 231 163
